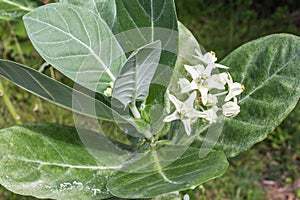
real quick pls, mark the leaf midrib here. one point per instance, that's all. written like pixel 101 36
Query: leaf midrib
pixel 63 165
pixel 17 5
pixel 268 79
pixel 106 69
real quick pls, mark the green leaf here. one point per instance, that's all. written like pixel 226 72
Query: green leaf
pixel 77 42
pixel 13 9
pixel 185 173
pixel 269 69
pixel 137 23
pixel 50 161
pixel 106 9
pixel 187 45
pixel 136 74
pixel 141 22
pixel 56 92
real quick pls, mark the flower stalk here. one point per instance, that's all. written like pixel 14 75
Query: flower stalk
pixel 9 105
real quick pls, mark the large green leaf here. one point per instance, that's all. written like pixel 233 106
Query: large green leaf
pixel 141 22
pixel 13 9
pixel 187 44
pixel 77 42
pixel 188 171
pixel 137 23
pixel 269 68
pixel 136 74
pixel 105 8
pixel 50 161
pixel 56 92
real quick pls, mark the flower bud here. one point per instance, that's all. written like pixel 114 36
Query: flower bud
pixel 230 109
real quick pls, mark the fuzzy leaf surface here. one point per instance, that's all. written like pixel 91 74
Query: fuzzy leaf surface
pixel 56 92
pixel 50 161
pixel 269 69
pixel 136 74
pixel 14 9
pixel 188 171
pixel 77 42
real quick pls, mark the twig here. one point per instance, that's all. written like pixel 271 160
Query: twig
pixel 9 105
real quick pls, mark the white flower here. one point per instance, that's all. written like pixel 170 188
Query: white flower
pixel 108 92
pixel 183 84
pixel 202 81
pixel 209 59
pixel 231 109
pixel 184 111
pixel 212 100
pixel 210 115
pixel 234 88
pixel 221 78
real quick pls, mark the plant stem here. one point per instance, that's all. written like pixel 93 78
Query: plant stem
pixel 20 52
pixel 136 114
pixel 134 111
pixel 52 73
pixel 9 105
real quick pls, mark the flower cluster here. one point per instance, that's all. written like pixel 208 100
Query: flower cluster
pixel 205 89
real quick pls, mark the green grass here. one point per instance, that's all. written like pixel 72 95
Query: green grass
pixel 220 26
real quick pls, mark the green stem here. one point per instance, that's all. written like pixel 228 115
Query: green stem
pixel 9 105
pixel 19 49
pixel 134 111
pixel 52 73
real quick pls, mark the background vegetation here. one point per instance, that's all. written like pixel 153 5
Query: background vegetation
pixel 270 170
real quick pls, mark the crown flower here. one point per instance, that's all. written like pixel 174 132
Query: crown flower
pixel 207 90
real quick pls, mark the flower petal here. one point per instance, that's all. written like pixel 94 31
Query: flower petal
pixel 196 114
pixel 222 78
pixel 221 66
pixel 175 101
pixel 234 90
pixel 230 109
pixel 192 71
pixel 183 83
pixel 187 126
pixel 190 101
pixel 211 100
pixel 211 115
pixel 213 82
pixel 172 117
pixel 192 86
pixel 229 79
pixel 203 91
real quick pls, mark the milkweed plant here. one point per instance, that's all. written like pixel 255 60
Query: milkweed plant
pixel 177 112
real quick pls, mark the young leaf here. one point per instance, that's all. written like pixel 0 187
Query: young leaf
pixel 186 172
pixel 269 69
pixel 77 42
pixel 50 161
pixel 13 9
pixel 136 74
pixel 56 92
